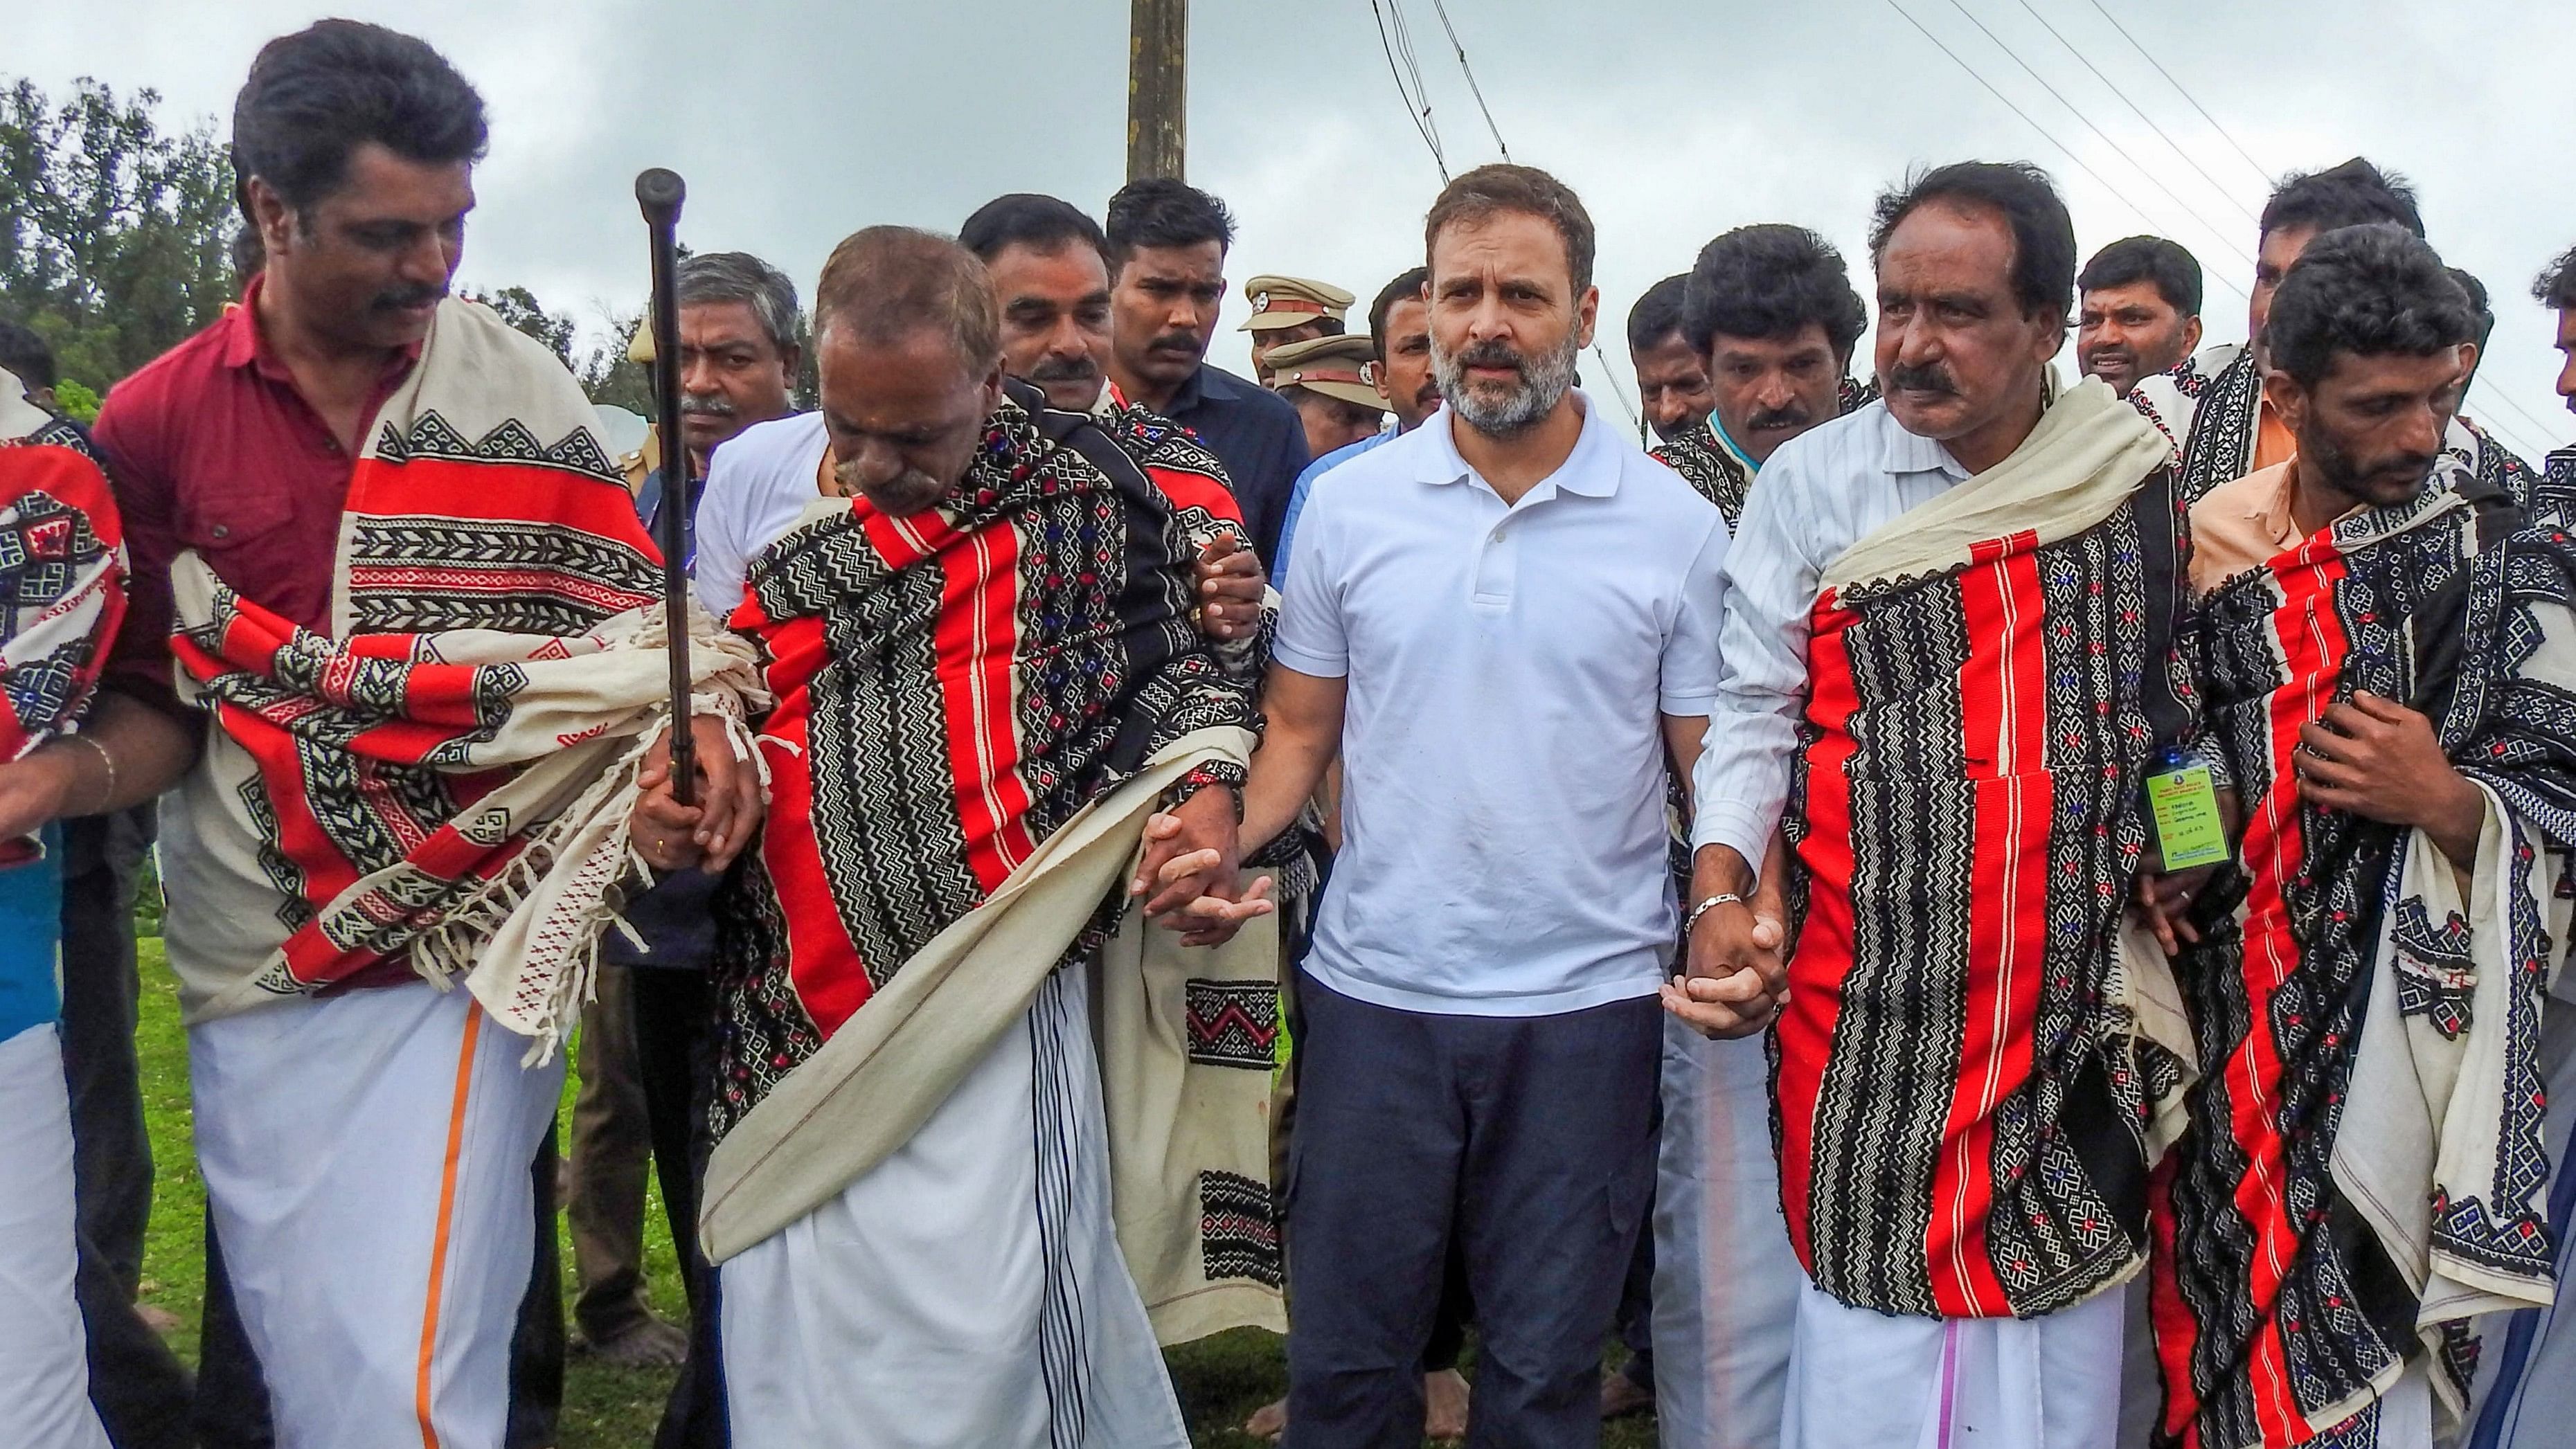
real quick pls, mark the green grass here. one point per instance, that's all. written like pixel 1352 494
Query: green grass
pixel 1221 1380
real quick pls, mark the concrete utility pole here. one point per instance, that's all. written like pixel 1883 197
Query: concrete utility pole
pixel 1158 61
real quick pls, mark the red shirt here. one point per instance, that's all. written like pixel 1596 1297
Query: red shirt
pixel 210 447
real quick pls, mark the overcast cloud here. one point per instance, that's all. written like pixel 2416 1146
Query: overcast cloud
pixel 1675 119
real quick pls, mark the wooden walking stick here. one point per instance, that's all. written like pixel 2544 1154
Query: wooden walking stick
pixel 659 192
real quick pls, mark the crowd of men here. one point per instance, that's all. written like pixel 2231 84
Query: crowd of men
pixel 1949 902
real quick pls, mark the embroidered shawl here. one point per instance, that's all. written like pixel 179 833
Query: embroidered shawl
pixel 62 587
pixel 2364 1167
pixel 952 689
pixel 2209 406
pixel 440 784
pixel 1970 1069
pixel 1711 467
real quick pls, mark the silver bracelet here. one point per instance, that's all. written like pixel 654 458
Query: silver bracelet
pixel 1722 898
pixel 107 795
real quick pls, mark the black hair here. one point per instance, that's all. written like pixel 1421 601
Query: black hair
pixel 1028 219
pixel 2168 264
pixel 25 354
pixel 1163 212
pixel 1768 283
pixel 2043 263
pixel 1501 186
pixel 2479 308
pixel 2355 193
pixel 1658 313
pixel 1409 284
pixel 2372 290
pixel 2555 287
pixel 317 95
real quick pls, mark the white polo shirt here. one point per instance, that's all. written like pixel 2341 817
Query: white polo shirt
pixel 1504 849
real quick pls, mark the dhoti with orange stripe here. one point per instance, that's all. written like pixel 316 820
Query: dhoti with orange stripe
pixel 2367 1168
pixel 1970 1065
pixel 388 874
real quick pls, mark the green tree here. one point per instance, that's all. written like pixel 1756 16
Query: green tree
pixel 610 376
pixel 519 307
pixel 115 234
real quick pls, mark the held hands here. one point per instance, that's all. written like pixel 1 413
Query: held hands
pixel 1188 873
pixel 708 835
pixel 1230 581
pixel 1737 976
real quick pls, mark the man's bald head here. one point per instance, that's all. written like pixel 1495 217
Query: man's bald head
pixel 886 283
pixel 908 339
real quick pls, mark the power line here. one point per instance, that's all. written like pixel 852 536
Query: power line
pixel 2539 428
pixel 1430 137
pixel 1417 104
pixel 2044 133
pixel 1441 9
pixel 2121 151
pixel 2140 113
pixel 2230 138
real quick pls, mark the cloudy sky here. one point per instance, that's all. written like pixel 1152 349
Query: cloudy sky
pixel 796 123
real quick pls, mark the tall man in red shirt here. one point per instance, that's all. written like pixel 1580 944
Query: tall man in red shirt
pixel 345 459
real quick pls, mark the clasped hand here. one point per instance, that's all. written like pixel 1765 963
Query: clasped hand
pixel 672 836
pixel 1188 875
pixel 1736 976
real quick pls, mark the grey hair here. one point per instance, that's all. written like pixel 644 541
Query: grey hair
pixel 742 277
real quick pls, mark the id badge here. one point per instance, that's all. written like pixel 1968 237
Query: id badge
pixel 2185 806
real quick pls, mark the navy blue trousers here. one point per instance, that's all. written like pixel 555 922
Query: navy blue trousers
pixel 1529 1144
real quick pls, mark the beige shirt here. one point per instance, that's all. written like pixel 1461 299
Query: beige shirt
pixel 2239 527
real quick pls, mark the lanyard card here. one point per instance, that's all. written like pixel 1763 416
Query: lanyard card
pixel 2185 807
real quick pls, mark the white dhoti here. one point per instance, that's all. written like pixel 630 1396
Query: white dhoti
pixel 1860 1379
pixel 968 1289
pixel 1726 1281
pixel 44 1357
pixel 367 1161
pixel 2525 1394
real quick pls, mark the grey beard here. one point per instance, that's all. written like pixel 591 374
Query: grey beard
pixel 1544 381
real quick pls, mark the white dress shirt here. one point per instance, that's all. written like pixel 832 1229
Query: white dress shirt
pixel 758 485
pixel 1822 492
pixel 1504 848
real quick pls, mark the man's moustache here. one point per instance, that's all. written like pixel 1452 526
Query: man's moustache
pixel 1065 369
pixel 1493 354
pixel 1186 343
pixel 1773 419
pixel 1928 377
pixel 404 299
pixel 706 405
pixel 2127 359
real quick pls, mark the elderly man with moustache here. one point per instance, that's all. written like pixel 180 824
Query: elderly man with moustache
pixel 1951 642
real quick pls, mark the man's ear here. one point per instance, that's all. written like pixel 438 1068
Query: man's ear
pixel 2190 336
pixel 2289 400
pixel 270 216
pixel 1587 311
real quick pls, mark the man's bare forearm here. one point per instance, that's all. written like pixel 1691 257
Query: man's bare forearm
pixel 1301 736
pixel 151 751
pixel 1719 870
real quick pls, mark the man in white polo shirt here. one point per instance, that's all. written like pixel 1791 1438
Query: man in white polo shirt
pixel 1503 620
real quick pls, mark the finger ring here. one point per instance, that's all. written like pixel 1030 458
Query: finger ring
pixel 1198 615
